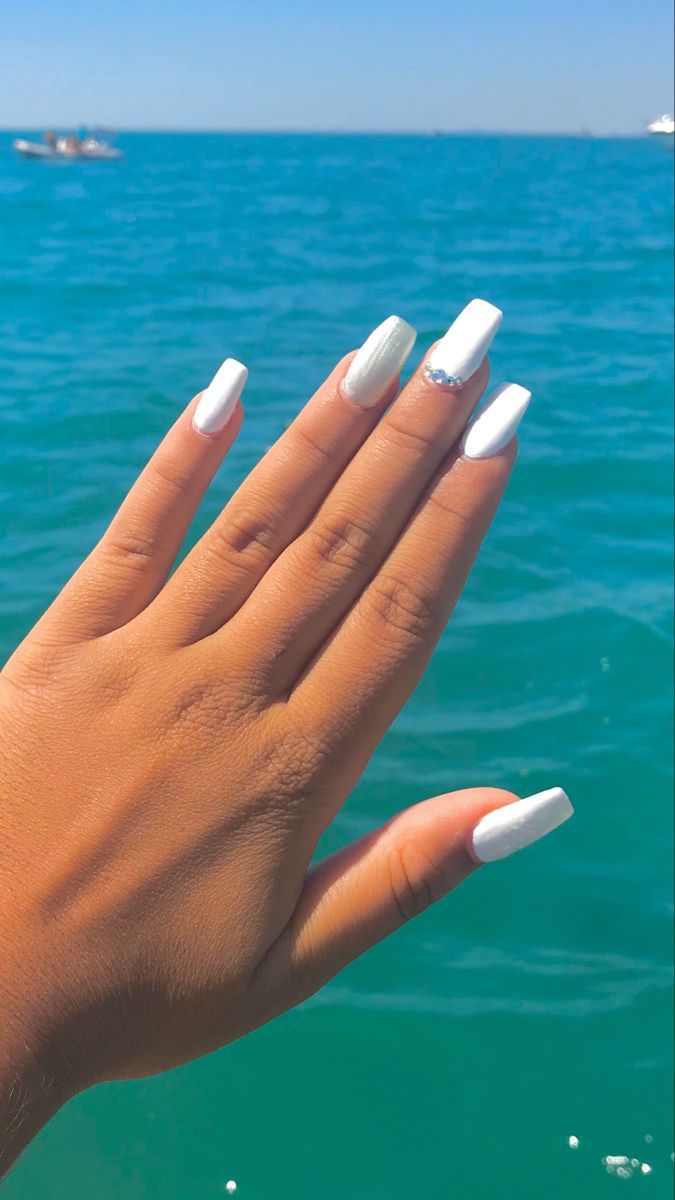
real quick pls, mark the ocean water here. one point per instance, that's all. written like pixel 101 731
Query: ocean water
pixel 456 1060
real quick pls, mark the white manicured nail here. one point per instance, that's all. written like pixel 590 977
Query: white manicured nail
pixel 517 825
pixel 492 428
pixel 219 400
pixel 378 362
pixel 460 352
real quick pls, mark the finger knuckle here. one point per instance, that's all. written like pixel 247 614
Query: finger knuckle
pixel 301 434
pixel 339 541
pixel 450 510
pixel 404 437
pixel 244 540
pixel 33 670
pixel 400 609
pixel 43 667
pixel 293 765
pixel 200 704
pixel 169 474
pixel 131 550
pixel 414 882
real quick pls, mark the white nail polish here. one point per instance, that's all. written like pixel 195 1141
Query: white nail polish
pixel 378 362
pixel 492 428
pixel 517 825
pixel 219 400
pixel 460 352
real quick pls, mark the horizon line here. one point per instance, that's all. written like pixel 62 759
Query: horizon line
pixel 583 131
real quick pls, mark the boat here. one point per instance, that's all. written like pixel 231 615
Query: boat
pixel 664 124
pixel 71 147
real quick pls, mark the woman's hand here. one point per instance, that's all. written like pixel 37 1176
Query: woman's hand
pixel 171 750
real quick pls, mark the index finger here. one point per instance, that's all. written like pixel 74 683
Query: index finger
pixel 394 626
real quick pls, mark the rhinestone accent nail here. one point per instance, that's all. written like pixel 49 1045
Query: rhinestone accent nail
pixel 436 375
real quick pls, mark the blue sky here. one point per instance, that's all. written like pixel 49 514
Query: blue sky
pixel 532 65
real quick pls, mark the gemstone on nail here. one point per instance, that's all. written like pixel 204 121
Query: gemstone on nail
pixel 437 375
pixel 462 349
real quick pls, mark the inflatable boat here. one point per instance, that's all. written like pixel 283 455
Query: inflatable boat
pixel 66 148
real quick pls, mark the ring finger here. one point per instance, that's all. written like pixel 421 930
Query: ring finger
pixel 281 495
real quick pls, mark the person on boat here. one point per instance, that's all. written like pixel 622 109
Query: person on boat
pixel 50 138
pixel 70 144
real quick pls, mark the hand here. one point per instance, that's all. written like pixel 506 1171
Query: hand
pixel 173 748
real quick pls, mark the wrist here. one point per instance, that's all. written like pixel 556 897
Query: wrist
pixel 36 1078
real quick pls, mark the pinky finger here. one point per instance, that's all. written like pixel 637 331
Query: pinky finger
pixel 130 564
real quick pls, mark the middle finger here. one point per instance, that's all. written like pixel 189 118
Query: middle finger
pixel 315 581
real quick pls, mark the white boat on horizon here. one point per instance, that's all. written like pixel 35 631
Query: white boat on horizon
pixel 665 124
pixel 69 148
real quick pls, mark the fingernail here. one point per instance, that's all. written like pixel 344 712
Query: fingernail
pixel 219 400
pixel 460 352
pixel 378 362
pixel 495 424
pixel 517 825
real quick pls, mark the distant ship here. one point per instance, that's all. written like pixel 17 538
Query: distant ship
pixel 72 146
pixel 664 124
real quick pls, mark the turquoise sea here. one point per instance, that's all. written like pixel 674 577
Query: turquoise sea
pixel 455 1061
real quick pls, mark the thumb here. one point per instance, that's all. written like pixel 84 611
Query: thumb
pixel 363 893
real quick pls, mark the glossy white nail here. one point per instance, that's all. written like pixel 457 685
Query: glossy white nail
pixel 517 825
pixel 460 352
pixel 492 428
pixel 378 362
pixel 219 400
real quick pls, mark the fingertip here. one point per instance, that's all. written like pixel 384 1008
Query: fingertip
pixel 218 402
pixel 237 419
pixel 508 828
pixel 377 365
pixel 493 426
pixel 446 823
